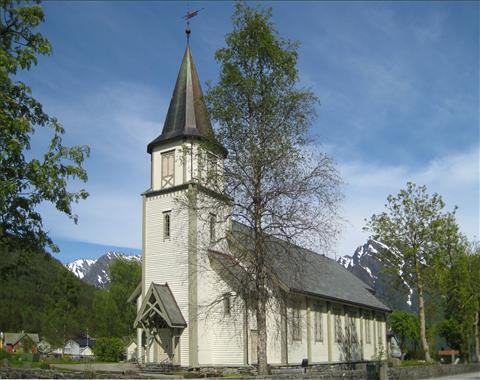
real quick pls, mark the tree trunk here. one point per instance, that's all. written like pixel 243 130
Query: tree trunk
pixel 262 337
pixel 421 315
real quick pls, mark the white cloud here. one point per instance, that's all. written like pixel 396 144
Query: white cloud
pixel 110 216
pixel 455 177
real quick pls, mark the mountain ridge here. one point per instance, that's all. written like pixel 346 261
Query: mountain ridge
pixel 95 271
pixel 364 263
pixel 390 288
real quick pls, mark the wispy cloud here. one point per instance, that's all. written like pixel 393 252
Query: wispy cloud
pixel 398 84
pixel 456 177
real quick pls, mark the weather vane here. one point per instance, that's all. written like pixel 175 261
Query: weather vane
pixel 187 18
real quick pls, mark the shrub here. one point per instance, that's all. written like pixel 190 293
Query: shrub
pixel 5 355
pixel 109 349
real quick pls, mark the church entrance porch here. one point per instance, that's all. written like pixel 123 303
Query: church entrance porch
pixel 162 323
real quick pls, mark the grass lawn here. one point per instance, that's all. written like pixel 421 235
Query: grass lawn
pixel 21 360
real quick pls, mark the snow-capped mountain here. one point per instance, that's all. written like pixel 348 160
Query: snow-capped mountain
pixel 80 267
pixel 390 288
pixel 95 272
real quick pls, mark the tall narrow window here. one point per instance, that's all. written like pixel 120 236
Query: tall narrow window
pixel 296 323
pixel 211 169
pixel 168 169
pixel 368 336
pixel 318 324
pixel 379 331
pixel 353 326
pixel 226 304
pixel 212 221
pixel 338 326
pixel 167 221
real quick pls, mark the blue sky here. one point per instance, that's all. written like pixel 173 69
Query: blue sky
pixel 398 84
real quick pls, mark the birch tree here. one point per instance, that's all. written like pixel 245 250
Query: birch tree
pixel 410 227
pixel 282 189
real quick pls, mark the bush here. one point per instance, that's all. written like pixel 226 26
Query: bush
pixel 5 355
pixel 109 349
pixel 26 357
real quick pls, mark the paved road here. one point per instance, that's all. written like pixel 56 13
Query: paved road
pixel 462 376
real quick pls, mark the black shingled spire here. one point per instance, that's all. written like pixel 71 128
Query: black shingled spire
pixel 187 114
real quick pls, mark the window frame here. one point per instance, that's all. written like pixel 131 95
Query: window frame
pixel 167 180
pixel 318 323
pixel 337 323
pixel 296 322
pixel 167 225
pixel 379 330
pixel 212 219
pixel 368 333
pixel 227 305
pixel 352 326
pixel 212 168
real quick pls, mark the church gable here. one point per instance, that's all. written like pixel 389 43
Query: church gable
pixel 159 309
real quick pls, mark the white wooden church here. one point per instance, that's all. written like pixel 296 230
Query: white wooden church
pixel 330 315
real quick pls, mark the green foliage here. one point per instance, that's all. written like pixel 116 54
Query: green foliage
pixel 278 183
pixel 405 327
pixel 414 227
pixel 458 274
pixel 45 298
pixel 35 297
pixel 450 330
pixel 27 182
pixel 410 227
pixel 113 315
pixel 109 349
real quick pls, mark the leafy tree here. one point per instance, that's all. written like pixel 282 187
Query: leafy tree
pixel 32 299
pixel 410 226
pixel 113 315
pixel 107 316
pixel 450 330
pixel 278 186
pixel 458 271
pixel 27 181
pixel 63 305
pixel 109 349
pixel 405 327
pixel 125 275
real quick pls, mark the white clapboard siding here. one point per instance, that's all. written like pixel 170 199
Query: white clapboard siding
pixel 166 260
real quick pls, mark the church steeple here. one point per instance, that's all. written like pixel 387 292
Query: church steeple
pixel 187 115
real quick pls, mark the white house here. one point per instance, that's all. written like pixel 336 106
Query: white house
pixel 80 347
pixel 131 350
pixel 184 270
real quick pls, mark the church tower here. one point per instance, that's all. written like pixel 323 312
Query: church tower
pixel 182 157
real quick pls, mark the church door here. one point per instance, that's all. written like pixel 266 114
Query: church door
pixel 164 352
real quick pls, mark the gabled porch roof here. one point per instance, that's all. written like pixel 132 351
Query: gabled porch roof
pixel 159 309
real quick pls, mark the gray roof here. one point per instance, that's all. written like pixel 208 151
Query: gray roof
pixel 12 338
pixel 304 271
pixel 170 305
pixel 187 114
pixel 159 307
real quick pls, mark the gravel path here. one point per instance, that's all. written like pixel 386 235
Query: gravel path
pixel 107 367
